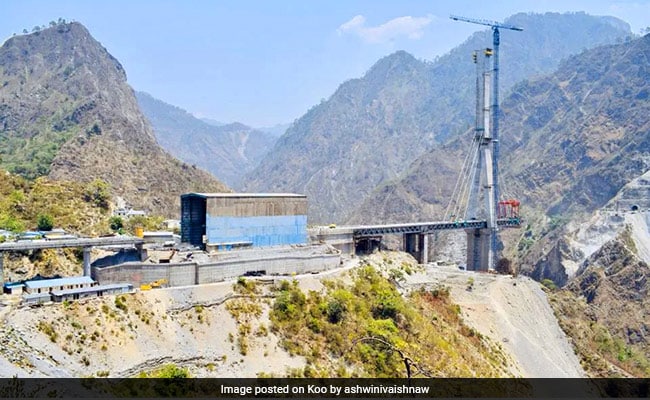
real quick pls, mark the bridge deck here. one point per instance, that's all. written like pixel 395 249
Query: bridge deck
pixel 84 242
pixel 427 227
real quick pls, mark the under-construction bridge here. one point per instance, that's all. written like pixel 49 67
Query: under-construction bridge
pixel 478 179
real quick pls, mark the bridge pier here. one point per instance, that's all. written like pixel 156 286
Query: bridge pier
pixel 142 252
pixel 409 241
pixel 423 248
pixel 87 251
pixel 417 245
pixel 478 249
pixel 2 271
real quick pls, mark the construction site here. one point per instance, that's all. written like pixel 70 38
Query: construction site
pixel 224 236
pixel 228 235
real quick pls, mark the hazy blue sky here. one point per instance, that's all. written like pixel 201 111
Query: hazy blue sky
pixel 267 62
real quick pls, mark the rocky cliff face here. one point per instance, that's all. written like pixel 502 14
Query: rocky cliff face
pixel 228 151
pixel 614 283
pixel 372 129
pixel 66 111
pixel 571 246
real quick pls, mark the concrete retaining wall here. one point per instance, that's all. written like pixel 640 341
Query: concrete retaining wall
pixel 285 265
pixel 184 274
pixel 138 273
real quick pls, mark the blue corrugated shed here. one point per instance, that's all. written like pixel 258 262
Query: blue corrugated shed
pixel 260 231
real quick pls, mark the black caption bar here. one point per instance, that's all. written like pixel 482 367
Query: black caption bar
pixel 324 388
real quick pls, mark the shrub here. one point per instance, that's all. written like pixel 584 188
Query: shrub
pixel 169 371
pixel 335 311
pixel 288 305
pixel 549 284
pixel 387 307
pixel 245 286
pixel 45 222
pixel 10 223
pixel 120 303
pixel 48 329
pixel 470 283
pixel 116 223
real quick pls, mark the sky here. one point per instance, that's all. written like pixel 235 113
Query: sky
pixel 267 62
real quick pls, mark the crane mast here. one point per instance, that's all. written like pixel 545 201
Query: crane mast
pixel 491 124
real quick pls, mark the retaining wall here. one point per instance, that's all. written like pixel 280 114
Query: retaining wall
pixel 282 265
pixel 184 274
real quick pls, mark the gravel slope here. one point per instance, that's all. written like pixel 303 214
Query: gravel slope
pixel 514 311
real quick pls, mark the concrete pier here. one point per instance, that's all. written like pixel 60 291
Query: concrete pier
pixel 423 248
pixel 87 251
pixel 417 245
pixel 478 249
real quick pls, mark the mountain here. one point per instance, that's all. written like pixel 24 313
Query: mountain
pixel 211 121
pixel 569 142
pixel 371 129
pixel 605 307
pixel 228 151
pixel 276 130
pixel 67 112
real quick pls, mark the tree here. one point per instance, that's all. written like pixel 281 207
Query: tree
pixel 116 223
pixel 45 222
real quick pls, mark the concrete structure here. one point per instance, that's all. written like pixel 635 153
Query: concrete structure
pixel 276 261
pixel 93 291
pixel 160 237
pixel 478 249
pixel 223 221
pixel 86 244
pixel 48 285
pixel 339 238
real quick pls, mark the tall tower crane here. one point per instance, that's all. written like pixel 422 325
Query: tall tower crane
pixel 493 134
